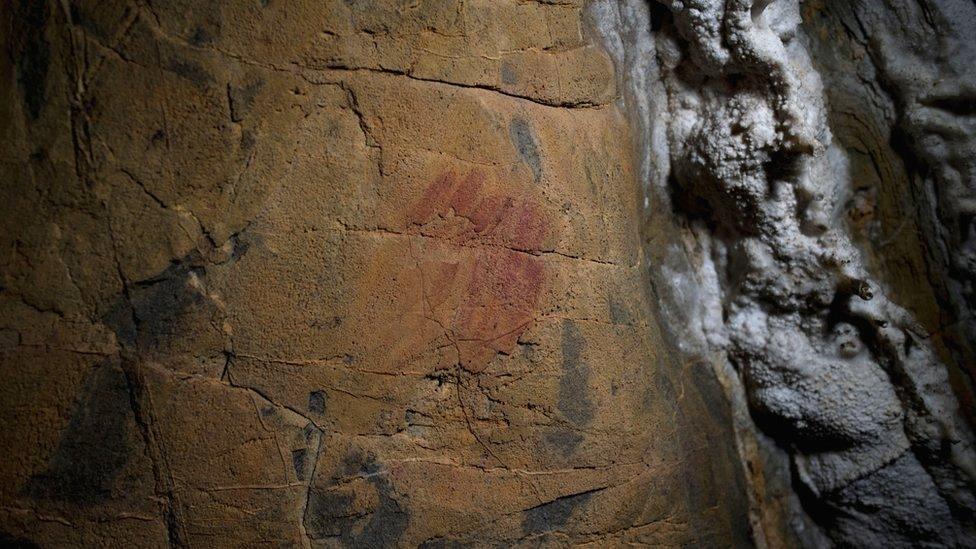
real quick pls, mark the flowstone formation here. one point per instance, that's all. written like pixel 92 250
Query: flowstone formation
pixel 926 71
pixel 899 78
pixel 832 369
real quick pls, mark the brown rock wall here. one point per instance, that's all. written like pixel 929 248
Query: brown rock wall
pixel 336 274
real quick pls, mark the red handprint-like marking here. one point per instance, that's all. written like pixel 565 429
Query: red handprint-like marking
pixel 492 291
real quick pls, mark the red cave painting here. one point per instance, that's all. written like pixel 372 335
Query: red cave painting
pixel 486 294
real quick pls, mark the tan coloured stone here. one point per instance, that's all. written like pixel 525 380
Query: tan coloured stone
pixel 368 274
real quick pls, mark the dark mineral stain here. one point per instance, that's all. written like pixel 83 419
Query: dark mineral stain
pixel 157 312
pixel 248 140
pixel 565 440
pixel 317 401
pixel 552 515
pixel 160 305
pixel 31 53
pixel 712 395
pixel 242 97
pixel 508 74
pixel 331 512
pixel 619 313
pixel 240 242
pixel 119 318
pixel 201 36
pixel 157 137
pixel 358 463
pixel 298 460
pixel 706 424
pixel 412 417
pixel 574 402
pixel 86 15
pixel 94 447
pixel 520 133
pixel 309 432
pixel 13 542
pixel 701 487
pixel 208 27
pixel 191 71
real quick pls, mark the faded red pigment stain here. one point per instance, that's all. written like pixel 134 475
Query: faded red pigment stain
pixel 501 284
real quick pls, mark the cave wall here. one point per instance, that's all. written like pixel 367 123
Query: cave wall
pixel 493 272
pixel 338 274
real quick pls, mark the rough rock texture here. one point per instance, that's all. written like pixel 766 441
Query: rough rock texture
pixel 341 273
pixel 907 125
pixel 862 439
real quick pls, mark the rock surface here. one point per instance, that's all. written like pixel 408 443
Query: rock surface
pixel 337 274
pixel 488 272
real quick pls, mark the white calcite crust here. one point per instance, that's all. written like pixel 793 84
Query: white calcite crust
pixel 832 369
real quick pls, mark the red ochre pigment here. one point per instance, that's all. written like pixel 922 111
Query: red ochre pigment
pixel 504 277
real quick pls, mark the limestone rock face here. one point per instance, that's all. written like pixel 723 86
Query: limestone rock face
pixel 337 273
